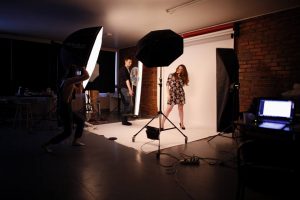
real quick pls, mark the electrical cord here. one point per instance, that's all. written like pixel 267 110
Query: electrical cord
pixel 151 141
pixel 173 170
pixel 192 160
pixel 187 160
pixel 173 164
pixel 224 162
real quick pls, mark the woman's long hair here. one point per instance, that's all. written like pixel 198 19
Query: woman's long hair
pixel 183 75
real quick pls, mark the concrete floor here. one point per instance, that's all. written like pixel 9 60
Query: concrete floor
pixel 105 170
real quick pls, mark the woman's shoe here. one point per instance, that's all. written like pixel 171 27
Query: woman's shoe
pixel 182 126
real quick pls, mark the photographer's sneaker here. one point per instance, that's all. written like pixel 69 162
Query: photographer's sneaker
pixel 76 143
pixel 47 149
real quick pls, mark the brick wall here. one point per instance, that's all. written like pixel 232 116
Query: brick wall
pixel 268 49
pixel 149 92
pixel 148 104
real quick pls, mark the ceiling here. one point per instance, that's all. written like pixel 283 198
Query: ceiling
pixel 124 21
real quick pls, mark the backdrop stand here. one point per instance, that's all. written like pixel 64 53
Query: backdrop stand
pixel 227 91
pixel 159 115
pixel 234 89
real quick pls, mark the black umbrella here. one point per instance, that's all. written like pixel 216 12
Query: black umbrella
pixel 159 48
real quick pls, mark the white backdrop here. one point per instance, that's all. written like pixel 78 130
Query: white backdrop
pixel 200 59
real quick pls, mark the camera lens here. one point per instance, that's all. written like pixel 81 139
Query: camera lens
pixel 78 72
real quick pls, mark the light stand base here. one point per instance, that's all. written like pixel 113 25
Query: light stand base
pixel 222 132
pixel 159 114
pixel 234 90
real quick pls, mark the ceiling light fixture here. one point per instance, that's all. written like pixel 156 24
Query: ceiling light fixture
pixel 173 9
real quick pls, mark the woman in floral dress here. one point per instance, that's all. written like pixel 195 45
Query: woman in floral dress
pixel 176 96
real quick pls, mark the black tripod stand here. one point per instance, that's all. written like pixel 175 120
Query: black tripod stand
pixel 91 108
pixel 159 115
pixel 234 87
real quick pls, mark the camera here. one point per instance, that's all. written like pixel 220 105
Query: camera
pixel 75 70
pixel 78 72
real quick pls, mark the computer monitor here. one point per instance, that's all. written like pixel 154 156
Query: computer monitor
pixel 276 109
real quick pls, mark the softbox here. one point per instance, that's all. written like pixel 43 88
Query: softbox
pixel 227 89
pixel 82 48
pixel 159 48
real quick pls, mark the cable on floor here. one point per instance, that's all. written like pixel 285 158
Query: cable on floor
pixel 173 170
pixel 151 141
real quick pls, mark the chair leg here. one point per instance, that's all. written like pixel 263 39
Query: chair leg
pixel 28 116
pixel 17 114
pixel 23 114
pixel 240 190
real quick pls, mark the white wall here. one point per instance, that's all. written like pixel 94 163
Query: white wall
pixel 200 59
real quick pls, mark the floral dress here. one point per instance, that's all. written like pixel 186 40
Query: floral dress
pixel 176 91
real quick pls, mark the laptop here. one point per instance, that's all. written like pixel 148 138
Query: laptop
pixel 275 113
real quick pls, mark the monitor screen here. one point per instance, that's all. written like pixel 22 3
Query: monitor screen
pixel 276 108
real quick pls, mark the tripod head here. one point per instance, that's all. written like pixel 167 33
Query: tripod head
pixel 234 86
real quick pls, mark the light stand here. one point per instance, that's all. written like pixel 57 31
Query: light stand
pixel 93 107
pixel 87 101
pixel 234 87
pixel 85 104
pixel 159 115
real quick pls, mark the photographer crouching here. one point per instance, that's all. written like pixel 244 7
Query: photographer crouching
pixel 74 77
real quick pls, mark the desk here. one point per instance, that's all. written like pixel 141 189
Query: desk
pixel 252 131
pixel 36 107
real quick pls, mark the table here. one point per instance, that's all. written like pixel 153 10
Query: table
pixel 29 108
pixel 252 131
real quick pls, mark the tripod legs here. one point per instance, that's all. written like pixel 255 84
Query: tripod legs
pixel 220 133
pixel 159 115
pixel 186 138
pixel 133 138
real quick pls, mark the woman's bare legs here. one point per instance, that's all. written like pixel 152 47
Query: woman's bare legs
pixel 180 111
pixel 167 112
